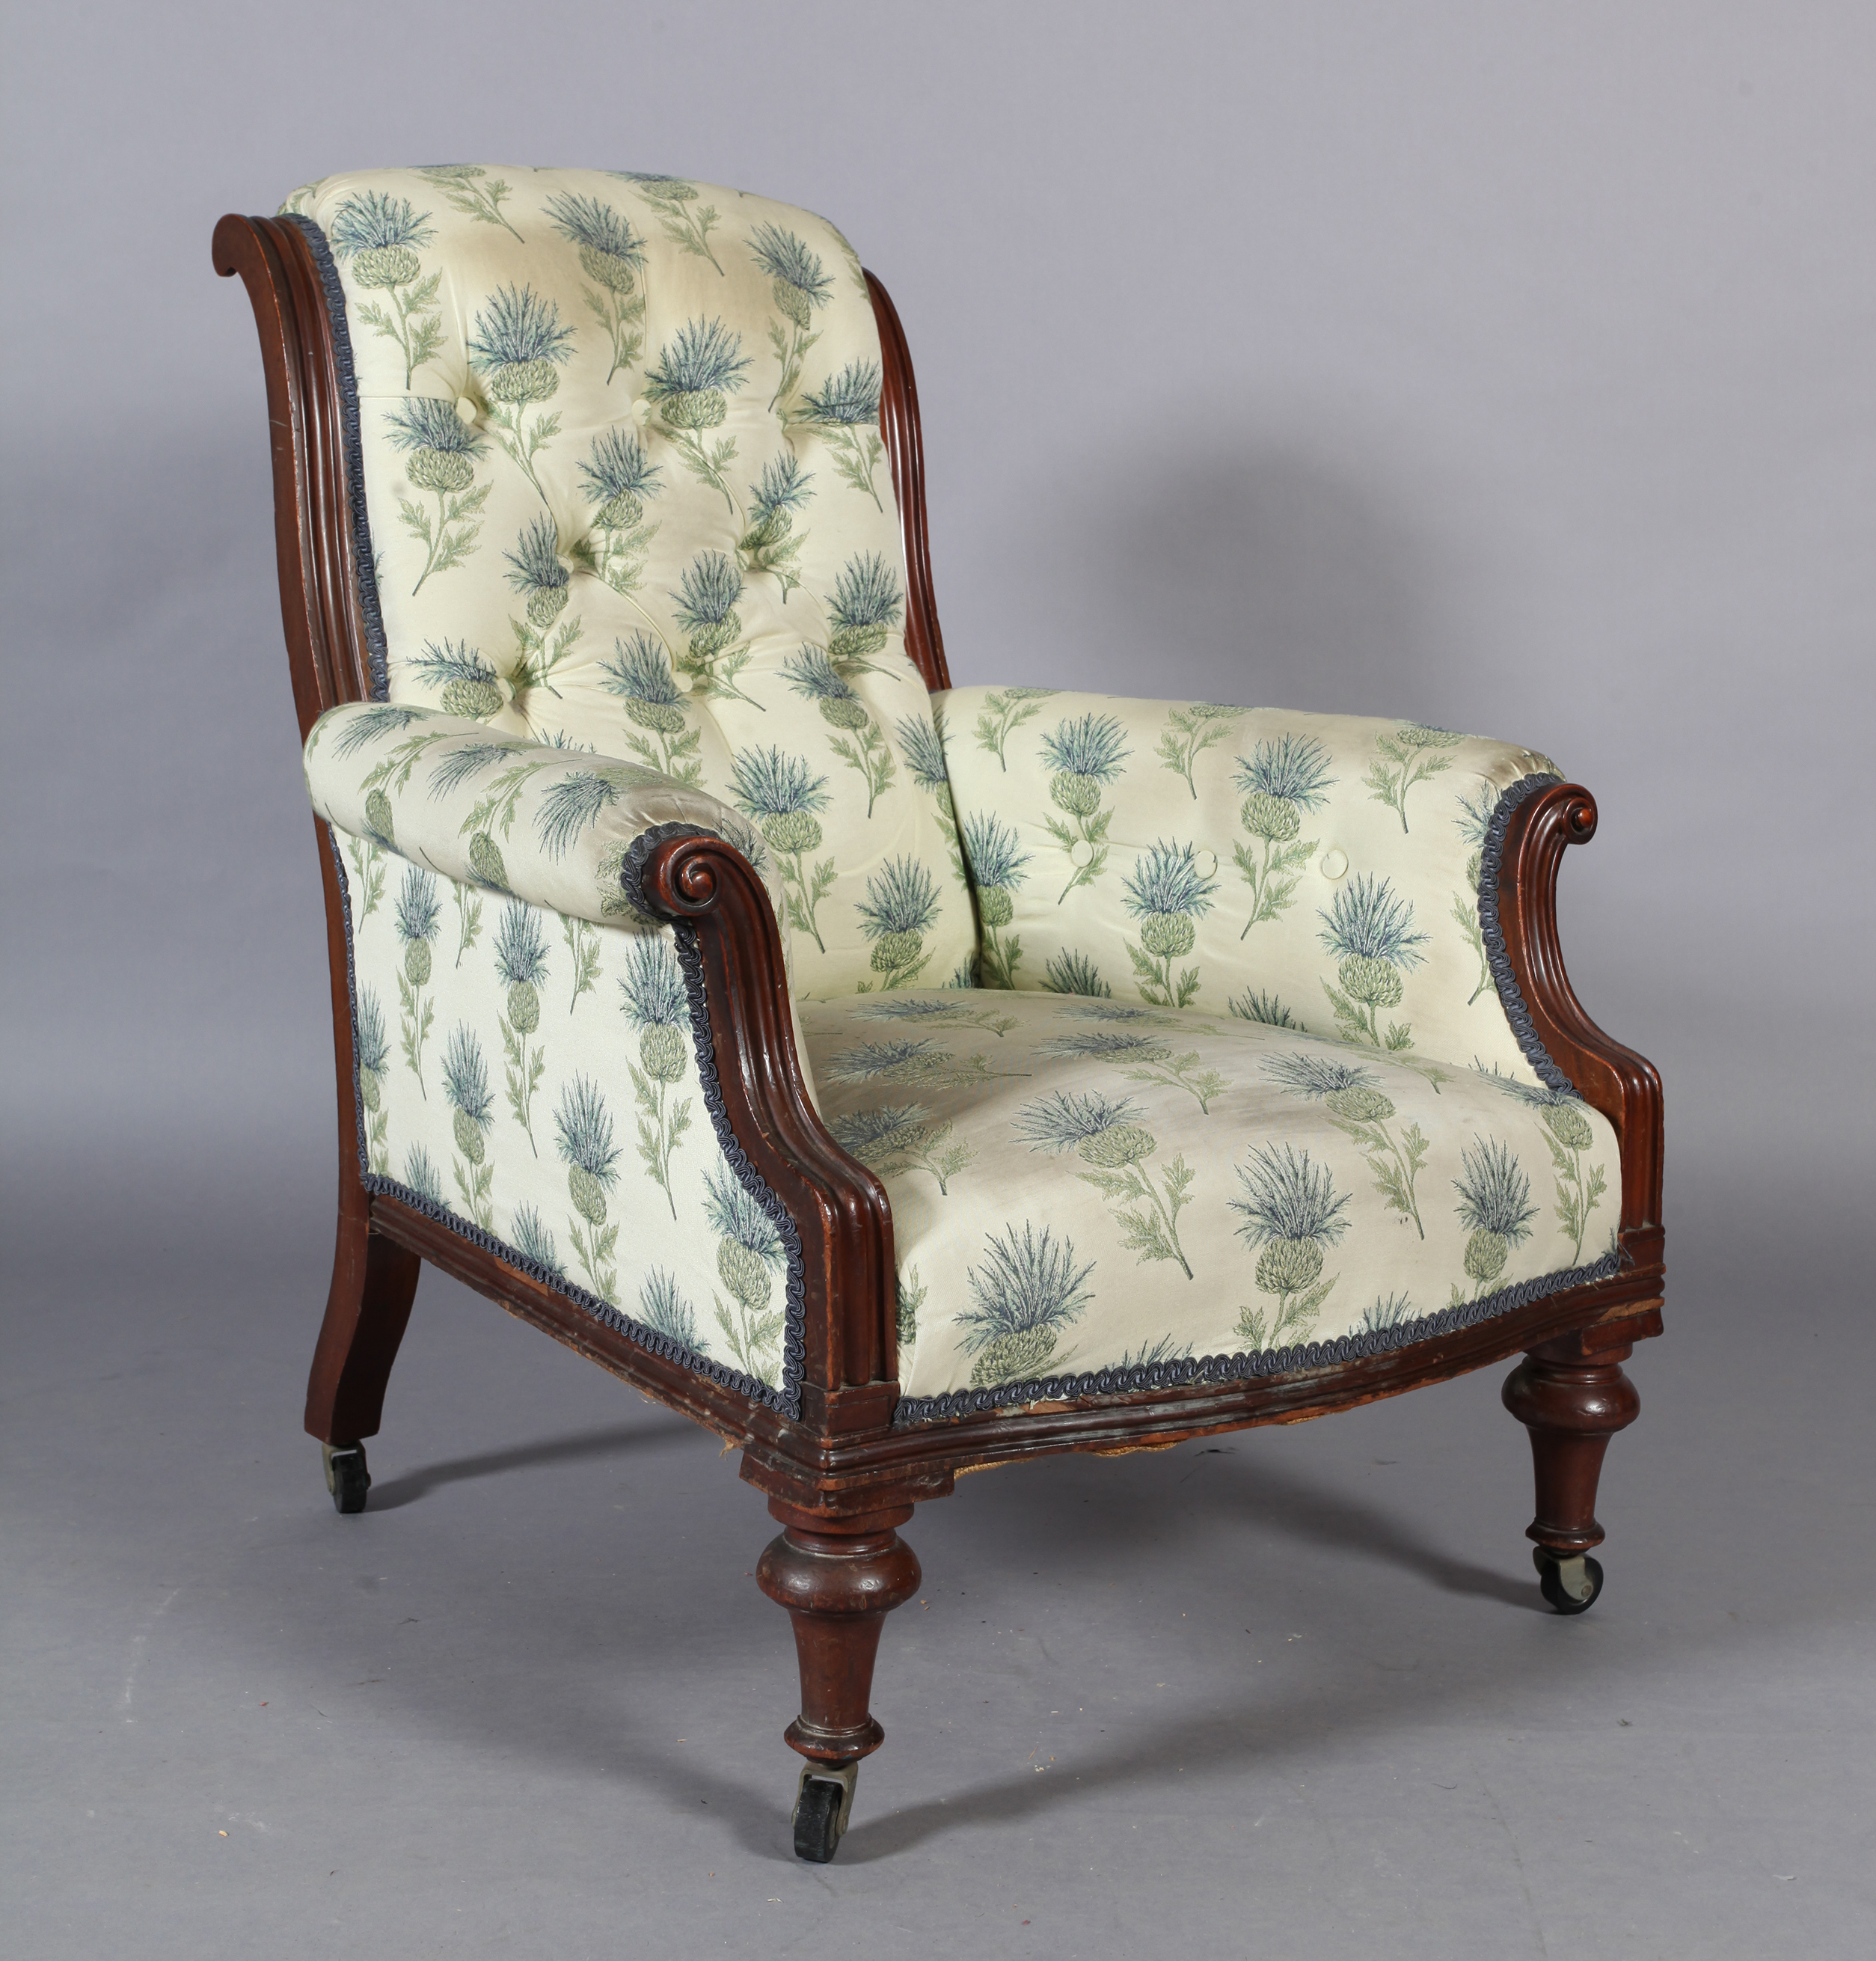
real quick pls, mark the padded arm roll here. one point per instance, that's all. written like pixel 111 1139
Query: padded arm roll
pixel 1321 872
pixel 552 826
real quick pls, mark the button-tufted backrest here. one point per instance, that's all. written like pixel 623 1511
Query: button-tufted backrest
pixel 626 492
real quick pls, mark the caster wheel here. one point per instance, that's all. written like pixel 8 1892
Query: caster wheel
pixel 822 1808
pixel 1571 1586
pixel 346 1477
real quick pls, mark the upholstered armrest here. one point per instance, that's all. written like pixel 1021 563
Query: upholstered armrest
pixel 1323 872
pixel 551 826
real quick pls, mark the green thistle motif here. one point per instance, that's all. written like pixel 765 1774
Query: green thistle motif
pixel 374 1056
pixel 999 867
pixel 1495 1204
pixel 421 1175
pixel 582 939
pixel 538 572
pixel 466 1085
pixel 769 542
pixel 672 198
pixel 1352 1095
pixel 1027 1294
pixel 1072 972
pixel 923 749
pixel 620 480
pixel 1282 779
pixel 1386 1315
pixel 656 1005
pixel 465 679
pixel 1254 1005
pixel 1084 755
pixel 517 349
pixel 1141 1059
pixel 912 1061
pixel 1474 820
pixel 534 1240
pixel 464 186
pixel 639 674
pixel 846 412
pixel 697 373
pixel 1292 1212
pixel 783 795
pixel 520 964
pixel 1189 731
pixel 572 806
pixel 379 235
pixel 900 1137
pixel 367 868
pixel 911 1292
pixel 1371 931
pixel 1119 1013
pixel 900 906
pixel 1106 1133
pixel 442 449
pixel 1410 755
pixel 798 286
pixel 1166 891
pixel 664 1309
pixel 371 725
pixel 1005 710
pixel 416 916
pixel 861 746
pixel 749 1256
pixel 943 1010
pixel 583 1137
pixel 865 608
pixel 715 654
pixel 613 256
pixel 1569 1133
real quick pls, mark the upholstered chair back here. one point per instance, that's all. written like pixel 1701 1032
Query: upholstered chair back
pixel 621 487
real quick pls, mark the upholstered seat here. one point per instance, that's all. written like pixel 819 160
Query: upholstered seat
pixel 896 1079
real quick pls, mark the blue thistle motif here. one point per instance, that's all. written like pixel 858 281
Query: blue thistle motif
pixel 1495 1204
pixel 773 786
pixel 701 364
pixel 1104 1045
pixel 899 1057
pixel 465 760
pixel 1388 1313
pixel 610 251
pixel 867 603
pixel 1566 1117
pixel 1072 972
pixel 1292 1211
pixel 539 572
pixel 1352 1095
pixel 1255 1006
pixel 736 1214
pixel 521 948
pixel 1371 929
pixel 783 489
pixel 1282 779
pixel 924 752
pixel 1092 746
pixel 850 398
pixel 1476 812
pixel 1065 1120
pixel 901 903
pixel 1026 1293
pixel 466 679
pixel 534 1241
pixel 997 858
pixel 657 1005
pixel 881 1132
pixel 421 422
pixel 814 676
pixel 619 477
pixel 799 282
pixel 443 450
pixel 380 235
pixel 1116 1010
pixel 1165 891
pixel 1085 752
pixel 466 1086
pixel 519 345
pixel 653 985
pixel 421 1175
pixel 374 1044
pixel 1317 1078
pixel 382 718
pixel 583 1128
pixel 664 1309
pixel 570 807
pixel 639 673
pixel 418 910
pixel 1292 769
pixel 709 589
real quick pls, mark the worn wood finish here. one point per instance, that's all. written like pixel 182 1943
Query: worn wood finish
pixel 1572 1406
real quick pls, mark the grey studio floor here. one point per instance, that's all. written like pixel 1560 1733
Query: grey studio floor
pixel 1292 1694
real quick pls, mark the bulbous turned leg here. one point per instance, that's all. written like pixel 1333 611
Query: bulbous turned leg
pixel 839 1581
pixel 1572 1406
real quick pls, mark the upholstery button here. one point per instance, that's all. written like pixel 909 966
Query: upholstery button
pixel 465 410
pixel 683 682
pixel 505 688
pixel 1208 863
pixel 1081 852
pixel 640 411
pixel 1335 862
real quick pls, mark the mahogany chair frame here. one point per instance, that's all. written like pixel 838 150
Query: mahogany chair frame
pixel 839 1476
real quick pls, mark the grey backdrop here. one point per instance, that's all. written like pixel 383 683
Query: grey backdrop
pixel 1506 366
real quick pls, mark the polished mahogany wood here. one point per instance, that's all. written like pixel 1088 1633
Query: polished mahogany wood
pixel 1572 1408
pixel 838 1583
pixel 899 423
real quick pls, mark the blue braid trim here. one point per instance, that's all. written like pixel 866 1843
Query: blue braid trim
pixel 362 553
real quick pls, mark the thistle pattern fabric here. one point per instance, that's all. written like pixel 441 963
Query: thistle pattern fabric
pixel 531 1077
pixel 626 492
pixel 1320 872
pixel 1089 1193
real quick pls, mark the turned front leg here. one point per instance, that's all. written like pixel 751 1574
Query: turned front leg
pixel 839 1580
pixel 1572 1406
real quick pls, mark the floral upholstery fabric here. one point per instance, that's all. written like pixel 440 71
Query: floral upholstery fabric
pixel 1092 1193
pixel 626 491
pixel 1314 871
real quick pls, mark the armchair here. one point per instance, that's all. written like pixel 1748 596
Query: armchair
pixel 896 1079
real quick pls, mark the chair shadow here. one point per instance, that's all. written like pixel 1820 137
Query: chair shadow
pixel 617 1441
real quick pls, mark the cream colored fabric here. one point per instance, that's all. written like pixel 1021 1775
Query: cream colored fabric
pixel 1318 872
pixel 1083 1185
pixel 627 492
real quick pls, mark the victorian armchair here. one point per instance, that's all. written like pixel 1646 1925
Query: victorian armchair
pixel 896 1079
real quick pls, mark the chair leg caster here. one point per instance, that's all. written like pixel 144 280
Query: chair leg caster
pixel 823 1805
pixel 346 1476
pixel 1572 1584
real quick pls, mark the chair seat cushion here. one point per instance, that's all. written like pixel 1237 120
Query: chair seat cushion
pixel 1089 1196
